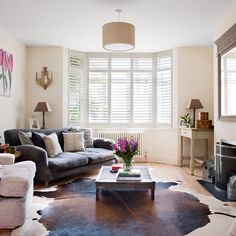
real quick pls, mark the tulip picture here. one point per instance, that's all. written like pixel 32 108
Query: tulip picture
pixel 6 68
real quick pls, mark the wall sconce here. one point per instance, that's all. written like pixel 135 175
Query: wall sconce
pixel 44 81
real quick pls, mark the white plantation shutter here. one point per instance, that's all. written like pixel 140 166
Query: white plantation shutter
pixel 120 90
pixel 228 85
pixel 76 88
pixel 164 89
pixel 120 97
pixel 142 94
pixel 129 90
pixel 98 90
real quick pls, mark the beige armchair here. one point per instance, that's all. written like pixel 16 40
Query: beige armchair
pixel 16 190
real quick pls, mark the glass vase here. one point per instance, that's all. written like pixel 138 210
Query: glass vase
pixel 127 165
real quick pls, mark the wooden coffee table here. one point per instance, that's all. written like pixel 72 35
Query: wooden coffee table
pixel 107 180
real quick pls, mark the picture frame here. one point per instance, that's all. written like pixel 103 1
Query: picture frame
pixel 34 123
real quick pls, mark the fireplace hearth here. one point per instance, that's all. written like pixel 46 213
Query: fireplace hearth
pixel 225 163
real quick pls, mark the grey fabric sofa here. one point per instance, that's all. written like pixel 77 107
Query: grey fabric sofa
pixel 66 163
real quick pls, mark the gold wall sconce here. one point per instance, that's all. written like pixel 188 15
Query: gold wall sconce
pixel 44 81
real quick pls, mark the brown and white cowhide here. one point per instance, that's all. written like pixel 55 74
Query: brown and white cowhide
pixel 71 209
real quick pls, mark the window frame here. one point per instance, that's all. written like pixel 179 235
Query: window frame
pixel 131 124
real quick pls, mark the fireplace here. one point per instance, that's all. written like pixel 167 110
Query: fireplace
pixel 225 163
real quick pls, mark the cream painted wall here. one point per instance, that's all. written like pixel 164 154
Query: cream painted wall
pixel 195 80
pixel 13 108
pixel 55 58
pixel 223 129
pixel 192 78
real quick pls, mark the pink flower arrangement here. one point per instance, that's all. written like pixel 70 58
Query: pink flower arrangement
pixel 6 66
pixel 126 149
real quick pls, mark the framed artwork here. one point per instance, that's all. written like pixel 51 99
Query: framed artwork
pixel 6 68
pixel 34 123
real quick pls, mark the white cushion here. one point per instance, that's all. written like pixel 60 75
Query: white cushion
pixel 52 145
pixel 17 179
pixel 1 171
pixel 73 142
pixel 7 158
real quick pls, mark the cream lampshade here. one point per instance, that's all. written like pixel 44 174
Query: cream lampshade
pixel 118 36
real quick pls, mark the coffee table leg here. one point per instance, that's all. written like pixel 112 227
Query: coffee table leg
pixel 153 194
pixel 97 194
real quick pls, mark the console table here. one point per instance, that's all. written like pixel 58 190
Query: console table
pixel 193 134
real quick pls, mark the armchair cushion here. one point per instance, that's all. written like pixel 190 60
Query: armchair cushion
pixel 1 171
pixel 7 158
pixel 17 179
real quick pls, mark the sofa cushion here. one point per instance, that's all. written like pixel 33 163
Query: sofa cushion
pixel 97 155
pixel 17 179
pixel 73 141
pixel 25 137
pixel 52 145
pixel 37 139
pixel 88 139
pixel 67 161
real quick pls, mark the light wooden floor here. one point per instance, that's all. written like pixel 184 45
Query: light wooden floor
pixel 159 172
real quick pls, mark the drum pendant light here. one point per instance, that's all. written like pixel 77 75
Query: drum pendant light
pixel 118 36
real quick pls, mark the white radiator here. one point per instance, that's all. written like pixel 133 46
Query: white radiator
pixel 115 135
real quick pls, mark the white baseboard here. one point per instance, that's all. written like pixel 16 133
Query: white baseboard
pixel 164 160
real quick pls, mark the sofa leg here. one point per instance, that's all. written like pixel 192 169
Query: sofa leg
pixel 46 184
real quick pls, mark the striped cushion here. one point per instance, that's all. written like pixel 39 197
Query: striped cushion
pixel 73 141
pixel 25 138
pixel 52 145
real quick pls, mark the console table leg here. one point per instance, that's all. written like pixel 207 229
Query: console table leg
pixel 181 151
pixel 192 157
pixel 206 154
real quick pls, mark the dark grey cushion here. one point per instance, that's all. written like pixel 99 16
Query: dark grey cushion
pixel 37 139
pixel 12 135
pixel 67 161
pixel 103 143
pixel 97 155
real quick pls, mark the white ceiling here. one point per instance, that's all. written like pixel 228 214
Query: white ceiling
pixel 77 24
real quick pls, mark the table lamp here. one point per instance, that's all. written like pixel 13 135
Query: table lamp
pixel 194 104
pixel 43 107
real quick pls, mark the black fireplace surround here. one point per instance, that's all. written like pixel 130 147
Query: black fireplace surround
pixel 225 163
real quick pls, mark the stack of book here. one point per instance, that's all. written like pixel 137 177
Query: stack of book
pixel 116 166
pixel 132 175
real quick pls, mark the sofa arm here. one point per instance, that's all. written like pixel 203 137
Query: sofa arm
pixel 33 153
pixel 7 159
pixel 103 143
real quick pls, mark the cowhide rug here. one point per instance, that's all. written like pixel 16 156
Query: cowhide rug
pixel 71 209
